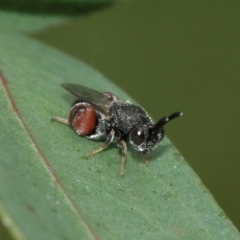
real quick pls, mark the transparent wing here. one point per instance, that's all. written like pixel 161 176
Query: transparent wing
pixel 100 101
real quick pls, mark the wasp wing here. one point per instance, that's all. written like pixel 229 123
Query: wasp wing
pixel 98 100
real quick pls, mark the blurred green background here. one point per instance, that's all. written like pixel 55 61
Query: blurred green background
pixel 170 56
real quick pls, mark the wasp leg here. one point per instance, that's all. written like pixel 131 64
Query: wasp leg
pixel 110 138
pixel 124 155
pixel 145 158
pixel 62 120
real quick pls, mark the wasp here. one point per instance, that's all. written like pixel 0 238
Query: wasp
pixel 96 115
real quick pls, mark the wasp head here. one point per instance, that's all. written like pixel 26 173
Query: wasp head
pixel 144 138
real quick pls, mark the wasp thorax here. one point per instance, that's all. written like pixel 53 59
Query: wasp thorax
pixel 83 118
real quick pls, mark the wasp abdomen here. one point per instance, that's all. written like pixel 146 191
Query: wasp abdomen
pixel 83 118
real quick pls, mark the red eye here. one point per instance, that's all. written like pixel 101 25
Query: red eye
pixel 83 118
pixel 137 135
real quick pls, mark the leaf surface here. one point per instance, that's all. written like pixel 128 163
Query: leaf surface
pixel 30 16
pixel 50 190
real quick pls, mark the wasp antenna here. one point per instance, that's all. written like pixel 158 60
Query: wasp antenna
pixel 165 120
pixel 174 115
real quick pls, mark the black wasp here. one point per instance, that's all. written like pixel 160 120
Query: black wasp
pixel 98 115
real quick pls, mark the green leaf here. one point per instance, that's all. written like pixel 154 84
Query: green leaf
pixel 50 190
pixel 29 16
pixel 26 22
